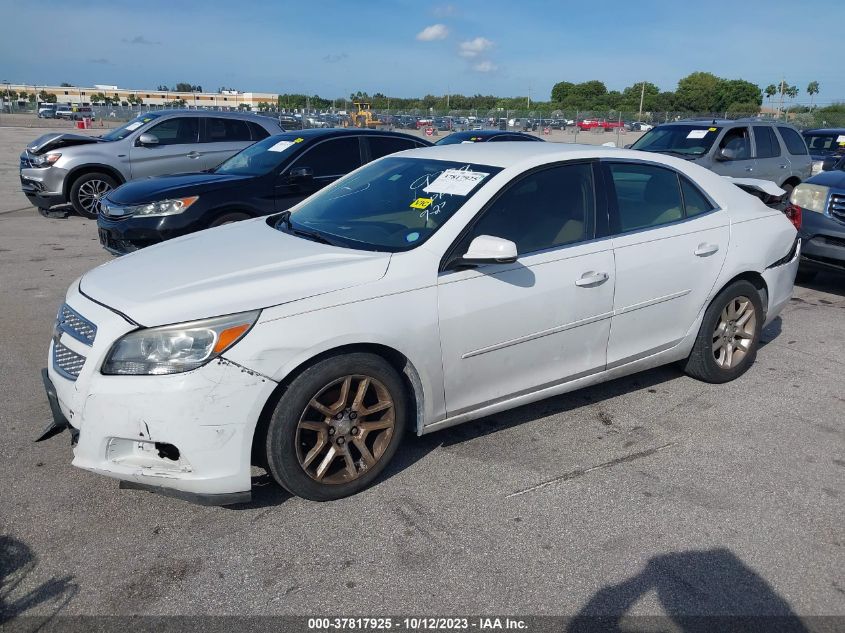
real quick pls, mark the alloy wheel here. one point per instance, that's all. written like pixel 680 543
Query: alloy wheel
pixel 345 429
pixel 734 333
pixel 90 193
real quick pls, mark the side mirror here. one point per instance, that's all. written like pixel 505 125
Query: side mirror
pixel 829 163
pixel 301 174
pixel 726 153
pixel 487 249
pixel 628 146
pixel 147 140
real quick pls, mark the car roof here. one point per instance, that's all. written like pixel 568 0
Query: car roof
pixel 825 130
pixel 509 153
pixel 250 116
pixel 329 132
pixel 489 133
pixel 726 122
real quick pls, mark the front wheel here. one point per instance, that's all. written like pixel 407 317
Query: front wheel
pixel 727 341
pixel 228 218
pixel 87 190
pixel 336 427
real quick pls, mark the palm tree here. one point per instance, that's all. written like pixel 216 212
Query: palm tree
pixel 770 91
pixel 812 90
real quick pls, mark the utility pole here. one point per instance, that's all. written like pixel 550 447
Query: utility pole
pixel 642 96
pixel 448 89
pixel 529 96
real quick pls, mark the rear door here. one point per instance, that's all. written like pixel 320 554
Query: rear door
pixel 177 150
pixel 327 160
pixel 670 241
pixel 771 163
pixel 222 138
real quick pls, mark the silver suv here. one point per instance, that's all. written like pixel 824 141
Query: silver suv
pixel 60 168
pixel 769 150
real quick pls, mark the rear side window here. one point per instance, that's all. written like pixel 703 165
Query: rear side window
pixel 226 131
pixel 335 157
pixel 695 202
pixel 646 196
pixel 765 142
pixel 384 145
pixel 256 131
pixel 793 141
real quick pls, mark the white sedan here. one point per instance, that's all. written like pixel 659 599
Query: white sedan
pixel 425 289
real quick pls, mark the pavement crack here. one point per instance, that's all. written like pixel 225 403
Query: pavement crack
pixel 583 471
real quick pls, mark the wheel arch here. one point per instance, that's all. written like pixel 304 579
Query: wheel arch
pixel 89 168
pixel 756 279
pixel 401 363
pixel 792 180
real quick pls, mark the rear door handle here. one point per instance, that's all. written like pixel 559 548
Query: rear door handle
pixel 193 154
pixel 591 278
pixel 749 169
pixel 704 249
pixel 782 166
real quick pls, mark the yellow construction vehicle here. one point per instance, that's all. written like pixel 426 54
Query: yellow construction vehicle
pixel 363 116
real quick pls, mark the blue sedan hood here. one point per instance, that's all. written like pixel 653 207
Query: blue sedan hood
pixel 175 186
pixel 834 179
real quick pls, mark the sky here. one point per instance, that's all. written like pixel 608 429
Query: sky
pixel 410 48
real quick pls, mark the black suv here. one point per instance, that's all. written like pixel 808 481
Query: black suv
pixel 269 176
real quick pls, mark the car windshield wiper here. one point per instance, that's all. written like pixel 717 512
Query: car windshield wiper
pixel 284 219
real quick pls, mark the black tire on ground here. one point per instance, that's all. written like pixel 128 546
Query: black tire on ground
pixel 228 218
pixel 702 363
pixel 281 448
pixel 787 187
pixel 86 191
pixel 805 275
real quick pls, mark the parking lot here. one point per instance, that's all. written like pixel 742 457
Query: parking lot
pixel 649 495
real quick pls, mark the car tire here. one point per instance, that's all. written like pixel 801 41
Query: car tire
pixel 805 275
pixel 87 190
pixel 315 448
pixel 228 218
pixel 729 336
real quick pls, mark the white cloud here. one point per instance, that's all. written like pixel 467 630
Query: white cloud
pixel 433 32
pixel 485 67
pixel 474 48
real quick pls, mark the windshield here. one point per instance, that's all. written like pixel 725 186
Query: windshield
pixel 127 128
pixel 393 204
pixel 686 140
pixel 262 157
pixel 827 143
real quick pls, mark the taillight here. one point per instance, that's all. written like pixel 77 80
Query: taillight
pixel 794 214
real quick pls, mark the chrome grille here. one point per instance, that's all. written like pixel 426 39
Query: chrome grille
pixel 66 361
pixel 836 206
pixel 80 328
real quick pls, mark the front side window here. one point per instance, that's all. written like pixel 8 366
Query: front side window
pixel 332 158
pixel 795 144
pixel 390 205
pixel 765 142
pixel 226 131
pixel 679 140
pixel 646 196
pixel 545 209
pixel 737 141
pixel 177 131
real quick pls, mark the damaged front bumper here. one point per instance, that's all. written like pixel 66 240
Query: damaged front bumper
pixel 188 435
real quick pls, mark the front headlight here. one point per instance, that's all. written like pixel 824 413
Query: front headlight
pixel 810 197
pixel 172 349
pixel 163 207
pixel 45 160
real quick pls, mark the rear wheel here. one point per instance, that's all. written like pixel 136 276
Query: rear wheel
pixel 87 190
pixel 336 427
pixel 727 341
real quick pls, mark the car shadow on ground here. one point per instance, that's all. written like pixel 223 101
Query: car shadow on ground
pixel 17 562
pixel 699 591
pixel 829 282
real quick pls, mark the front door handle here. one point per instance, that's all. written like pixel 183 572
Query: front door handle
pixel 193 154
pixel 782 166
pixel 704 249
pixel 749 169
pixel 592 278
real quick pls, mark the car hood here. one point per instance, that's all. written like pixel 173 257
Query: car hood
pixel 178 185
pixel 835 179
pixel 48 142
pixel 232 268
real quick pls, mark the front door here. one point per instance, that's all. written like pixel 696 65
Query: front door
pixel 508 329
pixel 737 140
pixel 176 152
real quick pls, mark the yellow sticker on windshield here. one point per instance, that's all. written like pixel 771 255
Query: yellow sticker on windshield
pixel 711 129
pixel 298 140
pixel 421 203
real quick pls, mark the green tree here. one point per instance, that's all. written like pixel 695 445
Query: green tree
pixel 46 97
pixel 697 92
pixel 733 91
pixel 561 90
pixel 812 90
